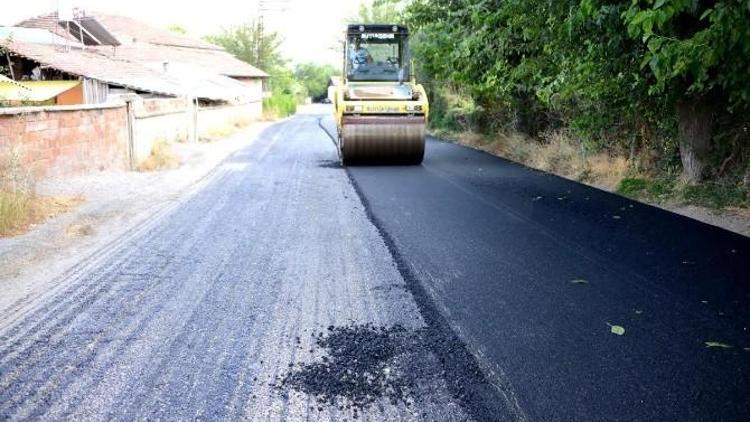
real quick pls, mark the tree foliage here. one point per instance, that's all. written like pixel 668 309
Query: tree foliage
pixel 314 78
pixel 612 71
pixel 252 44
pixel 380 11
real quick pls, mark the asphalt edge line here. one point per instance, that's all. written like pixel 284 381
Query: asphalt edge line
pixel 463 375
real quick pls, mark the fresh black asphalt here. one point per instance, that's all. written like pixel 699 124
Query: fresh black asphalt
pixel 532 270
pixel 291 288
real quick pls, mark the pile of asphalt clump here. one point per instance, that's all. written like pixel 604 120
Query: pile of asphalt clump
pixel 359 368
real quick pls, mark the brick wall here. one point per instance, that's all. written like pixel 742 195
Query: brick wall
pixel 61 140
pixel 67 139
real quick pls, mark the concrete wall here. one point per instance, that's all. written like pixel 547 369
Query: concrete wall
pixel 67 139
pixel 168 120
pixel 216 119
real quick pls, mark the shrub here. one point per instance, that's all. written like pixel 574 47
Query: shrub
pixel 162 157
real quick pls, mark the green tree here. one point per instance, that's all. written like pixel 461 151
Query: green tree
pixel 314 78
pixel 380 11
pixel 698 56
pixel 625 75
pixel 252 44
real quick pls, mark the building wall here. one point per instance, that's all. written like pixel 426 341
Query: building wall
pixel 216 119
pixel 255 85
pixel 67 140
pixel 71 97
pixel 168 120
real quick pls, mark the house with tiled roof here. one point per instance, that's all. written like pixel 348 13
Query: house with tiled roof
pixel 112 55
pixel 96 91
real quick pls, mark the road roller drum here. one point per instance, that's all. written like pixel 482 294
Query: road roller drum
pixel 396 139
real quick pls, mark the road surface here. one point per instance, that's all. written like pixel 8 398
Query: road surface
pixel 468 288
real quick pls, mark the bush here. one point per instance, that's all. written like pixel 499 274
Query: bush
pixel 280 105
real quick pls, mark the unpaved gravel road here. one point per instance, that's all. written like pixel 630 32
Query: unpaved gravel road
pixel 284 287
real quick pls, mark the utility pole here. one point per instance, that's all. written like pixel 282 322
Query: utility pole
pixel 265 6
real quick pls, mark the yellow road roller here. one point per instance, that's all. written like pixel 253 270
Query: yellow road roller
pixel 380 110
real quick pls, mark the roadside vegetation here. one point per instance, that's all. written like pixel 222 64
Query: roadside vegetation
pixel 20 207
pixel 288 86
pixel 16 192
pixel 162 157
pixel 650 98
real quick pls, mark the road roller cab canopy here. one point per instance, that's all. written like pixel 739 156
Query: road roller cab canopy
pixel 376 53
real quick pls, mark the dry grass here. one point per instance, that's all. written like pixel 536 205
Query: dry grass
pixel 16 191
pixel 557 153
pixel 20 207
pixel 37 209
pixel 162 157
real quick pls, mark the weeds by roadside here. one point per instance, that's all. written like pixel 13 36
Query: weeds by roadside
pixel 162 157
pixel 20 206
pixel 16 191
pixel 709 195
pixel 557 154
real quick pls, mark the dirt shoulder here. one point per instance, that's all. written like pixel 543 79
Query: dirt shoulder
pixel 116 202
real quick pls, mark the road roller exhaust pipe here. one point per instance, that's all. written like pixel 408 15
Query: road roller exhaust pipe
pixel 381 118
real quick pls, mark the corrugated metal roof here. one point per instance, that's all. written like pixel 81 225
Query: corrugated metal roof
pixel 126 28
pixel 95 66
pixel 217 61
pixel 179 80
pixel 142 42
pixel 198 83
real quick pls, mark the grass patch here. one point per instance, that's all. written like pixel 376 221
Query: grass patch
pixel 162 157
pixel 709 195
pixel 715 195
pixel 655 190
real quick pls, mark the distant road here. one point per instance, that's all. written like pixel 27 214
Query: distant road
pixel 468 288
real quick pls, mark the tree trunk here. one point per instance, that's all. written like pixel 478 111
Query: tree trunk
pixel 695 127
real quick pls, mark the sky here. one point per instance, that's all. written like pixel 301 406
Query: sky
pixel 310 28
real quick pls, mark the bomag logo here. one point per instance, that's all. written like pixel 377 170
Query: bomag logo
pixel 378 36
pixel 382 109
